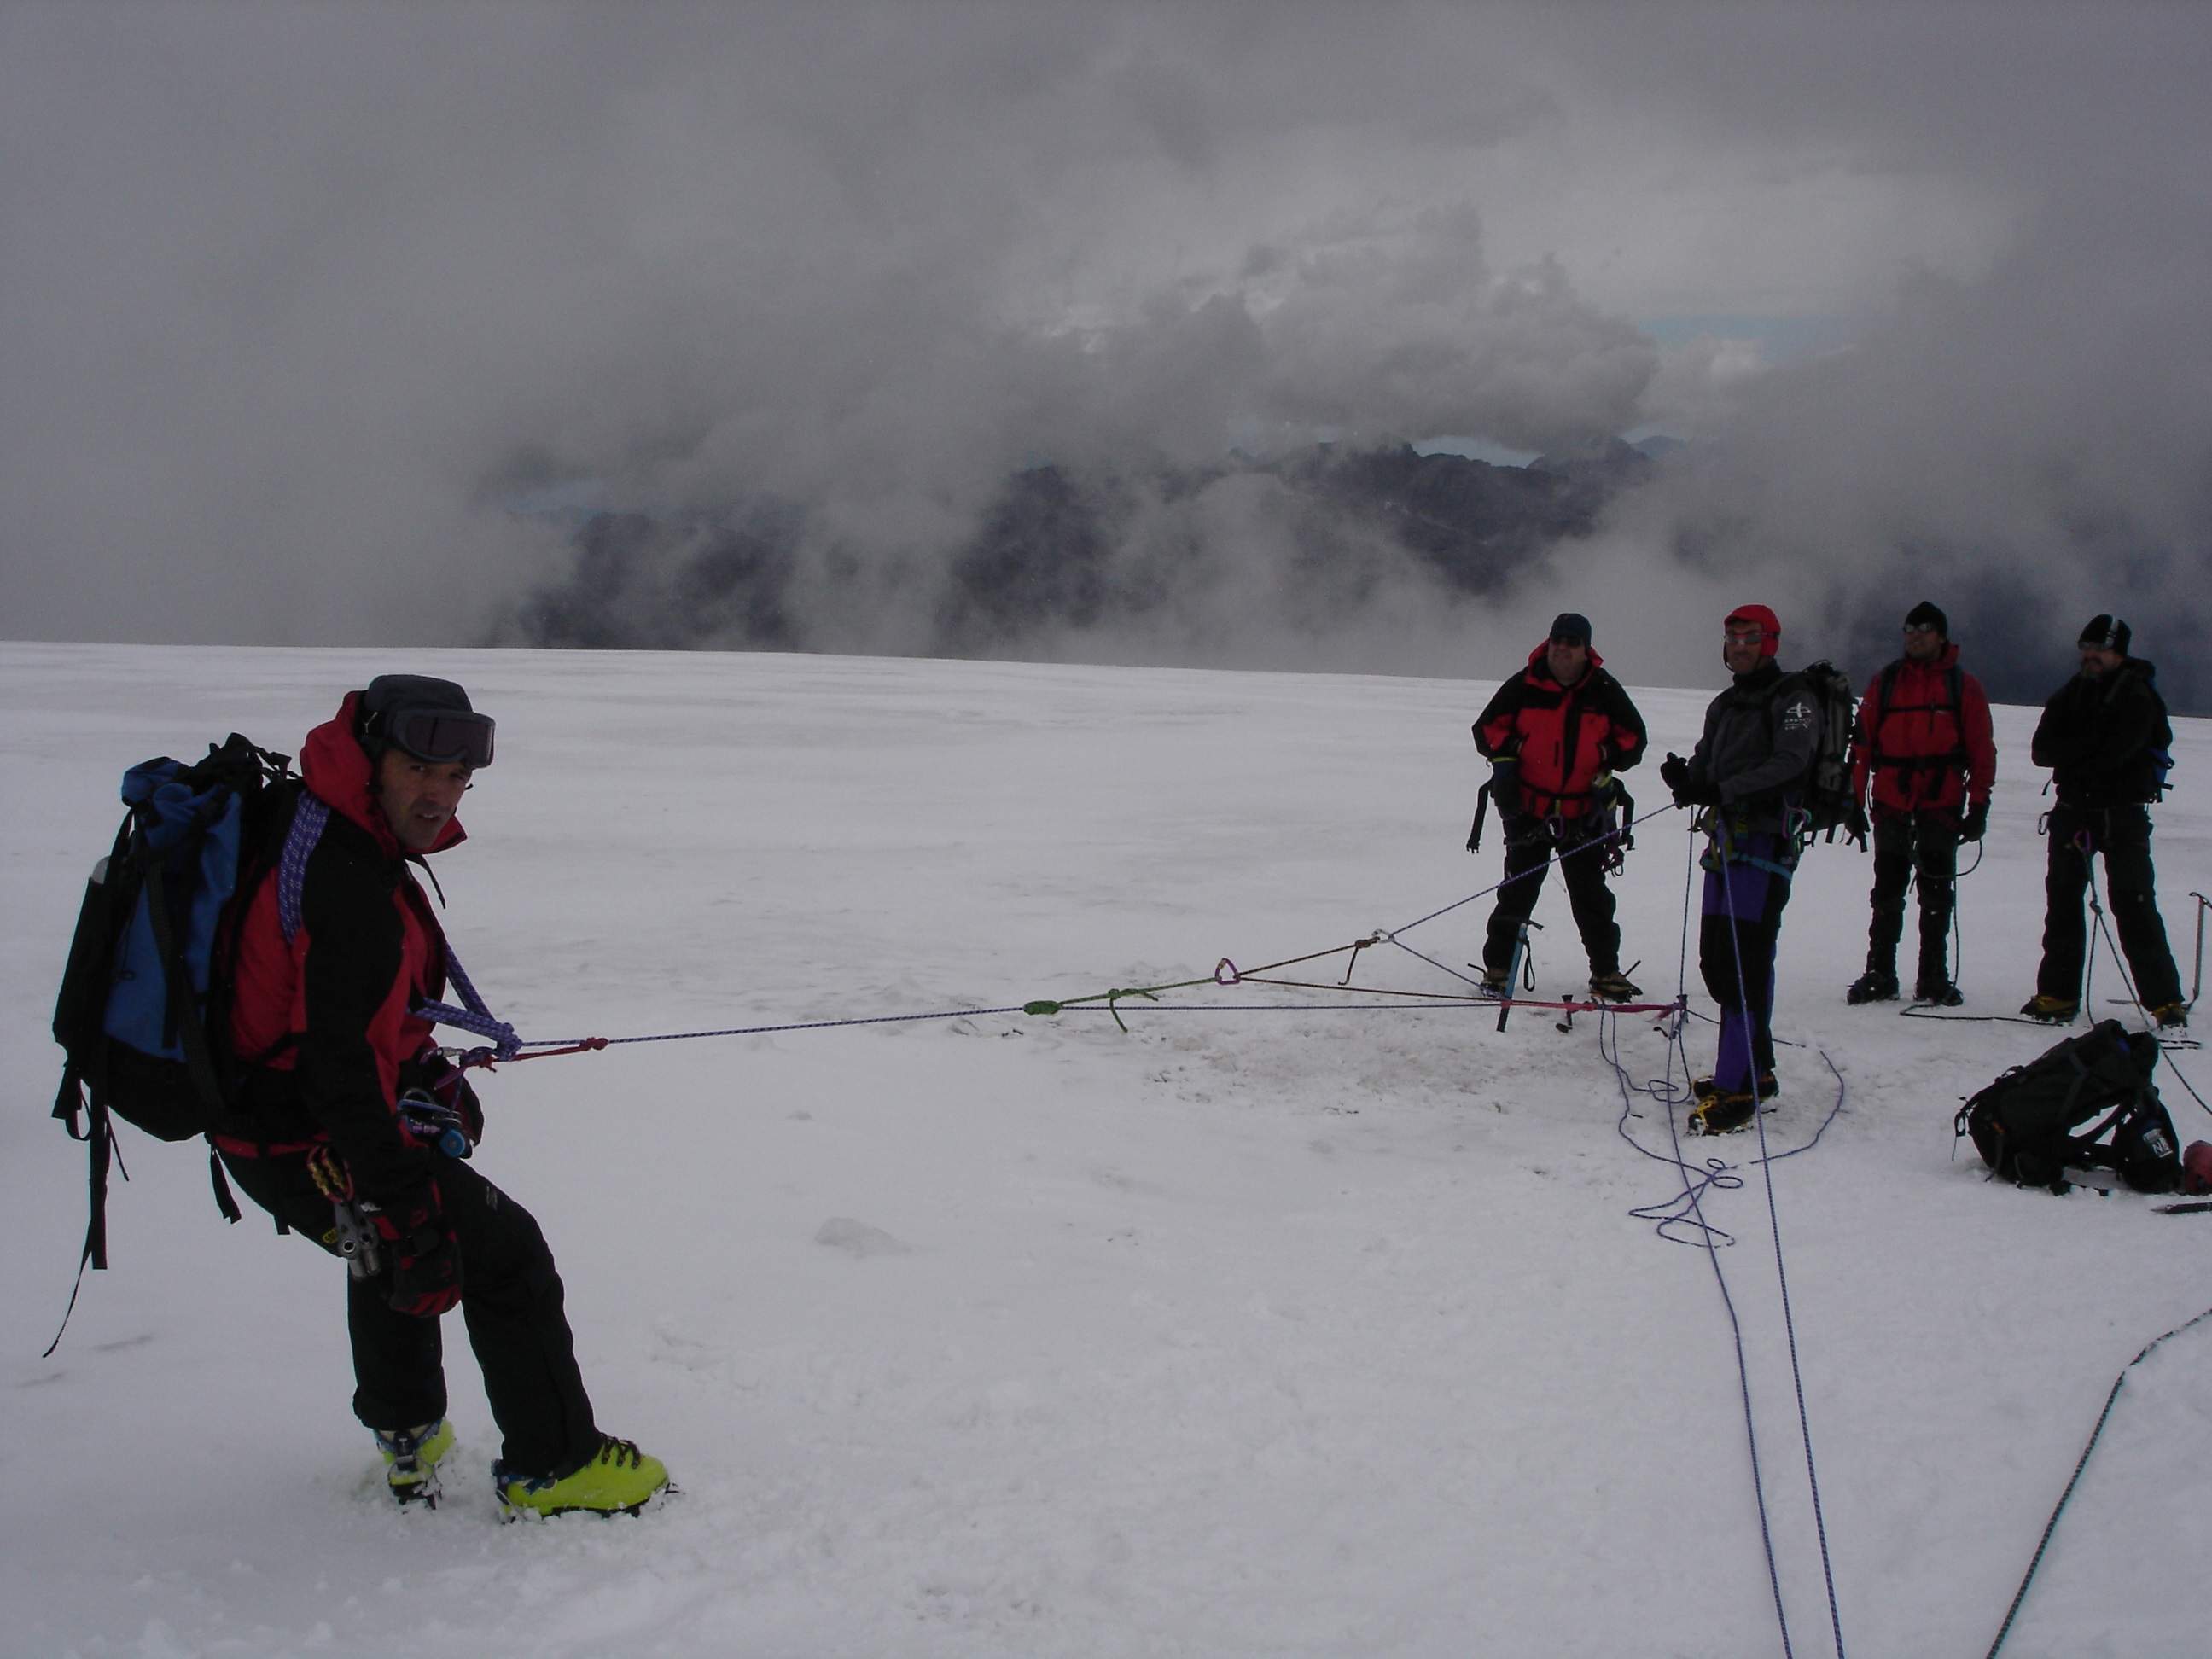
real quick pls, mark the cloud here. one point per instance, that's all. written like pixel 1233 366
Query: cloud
pixel 297 301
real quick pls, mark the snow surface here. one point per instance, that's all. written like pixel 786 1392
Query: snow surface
pixel 1260 1333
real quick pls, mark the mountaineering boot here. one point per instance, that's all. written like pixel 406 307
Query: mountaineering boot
pixel 1496 982
pixel 2173 1017
pixel 1938 989
pixel 1706 1089
pixel 618 1479
pixel 410 1460
pixel 1615 986
pixel 1723 1114
pixel 1875 984
pixel 2052 1011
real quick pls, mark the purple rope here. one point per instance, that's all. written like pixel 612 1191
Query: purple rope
pixel 475 1017
pixel 308 818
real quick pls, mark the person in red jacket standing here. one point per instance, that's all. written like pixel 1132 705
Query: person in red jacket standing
pixel 1555 735
pixel 349 1122
pixel 1923 745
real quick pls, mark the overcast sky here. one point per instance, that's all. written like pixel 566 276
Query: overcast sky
pixel 294 300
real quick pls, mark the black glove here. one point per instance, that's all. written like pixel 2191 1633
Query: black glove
pixel 1674 773
pixel 1976 824
pixel 425 1256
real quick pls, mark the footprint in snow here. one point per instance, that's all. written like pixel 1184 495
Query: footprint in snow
pixel 857 1238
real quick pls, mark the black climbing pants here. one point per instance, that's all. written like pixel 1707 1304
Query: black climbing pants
pixel 1914 849
pixel 511 1304
pixel 2122 835
pixel 1529 846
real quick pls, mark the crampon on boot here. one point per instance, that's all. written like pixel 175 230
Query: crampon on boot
pixel 2052 1011
pixel 1615 986
pixel 616 1480
pixel 1723 1114
pixel 410 1460
pixel 1872 986
pixel 1936 988
pixel 1706 1089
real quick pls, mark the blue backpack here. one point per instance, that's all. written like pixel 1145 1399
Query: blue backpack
pixel 145 999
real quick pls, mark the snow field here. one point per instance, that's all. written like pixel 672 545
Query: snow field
pixel 1262 1333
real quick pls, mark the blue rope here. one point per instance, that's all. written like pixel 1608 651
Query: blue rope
pixel 1781 1271
pixel 1681 1220
pixel 2052 1525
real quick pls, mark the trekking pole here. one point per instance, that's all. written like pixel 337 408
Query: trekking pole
pixel 1513 971
pixel 2196 980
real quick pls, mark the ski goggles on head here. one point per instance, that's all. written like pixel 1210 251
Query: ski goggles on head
pixel 448 737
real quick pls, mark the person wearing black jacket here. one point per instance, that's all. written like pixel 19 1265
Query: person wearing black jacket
pixel 1748 770
pixel 2104 735
pixel 1554 735
pixel 349 1118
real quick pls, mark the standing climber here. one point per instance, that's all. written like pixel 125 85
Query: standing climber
pixel 1749 769
pixel 2105 737
pixel 1555 735
pixel 1923 742
pixel 348 1116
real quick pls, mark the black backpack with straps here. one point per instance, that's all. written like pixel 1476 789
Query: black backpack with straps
pixel 2029 1125
pixel 1829 803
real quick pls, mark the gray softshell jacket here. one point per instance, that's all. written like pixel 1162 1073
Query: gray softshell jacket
pixel 1757 744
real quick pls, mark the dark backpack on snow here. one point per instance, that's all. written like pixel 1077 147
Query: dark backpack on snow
pixel 144 1012
pixel 2027 1125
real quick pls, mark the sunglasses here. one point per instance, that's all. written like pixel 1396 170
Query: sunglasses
pixel 1920 627
pixel 1749 636
pixel 445 736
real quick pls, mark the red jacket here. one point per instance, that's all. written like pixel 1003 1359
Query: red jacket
pixel 1563 736
pixel 324 1025
pixel 1924 741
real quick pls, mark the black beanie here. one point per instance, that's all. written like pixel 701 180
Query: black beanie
pixel 1567 625
pixel 1925 612
pixel 2107 633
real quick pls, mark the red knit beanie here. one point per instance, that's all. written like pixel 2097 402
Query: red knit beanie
pixel 1768 625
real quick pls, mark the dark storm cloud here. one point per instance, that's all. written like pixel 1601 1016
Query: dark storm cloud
pixel 295 302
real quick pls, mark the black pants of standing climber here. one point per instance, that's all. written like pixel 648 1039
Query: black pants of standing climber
pixel 1914 849
pixel 1530 844
pixel 2122 835
pixel 511 1304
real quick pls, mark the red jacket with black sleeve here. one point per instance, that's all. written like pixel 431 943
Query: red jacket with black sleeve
pixel 322 1026
pixel 1923 739
pixel 1562 735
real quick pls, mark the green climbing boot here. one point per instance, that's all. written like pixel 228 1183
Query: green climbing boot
pixel 618 1479
pixel 410 1460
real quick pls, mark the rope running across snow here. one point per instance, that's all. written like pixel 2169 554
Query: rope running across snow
pixel 1226 973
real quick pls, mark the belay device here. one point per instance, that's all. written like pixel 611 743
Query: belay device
pixel 2027 1125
